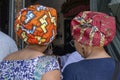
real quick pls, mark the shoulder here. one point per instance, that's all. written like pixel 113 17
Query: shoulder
pixel 73 67
pixel 6 39
pixel 70 71
pixel 50 59
pixel 4 36
pixel 92 63
pixel 48 63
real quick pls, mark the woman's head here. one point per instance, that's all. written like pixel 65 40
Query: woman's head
pixel 92 30
pixel 36 24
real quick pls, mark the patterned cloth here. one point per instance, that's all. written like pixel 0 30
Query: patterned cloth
pixel 93 28
pixel 36 24
pixel 32 69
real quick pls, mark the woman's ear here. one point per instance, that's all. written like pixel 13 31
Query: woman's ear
pixel 84 51
pixel 49 49
pixel 79 48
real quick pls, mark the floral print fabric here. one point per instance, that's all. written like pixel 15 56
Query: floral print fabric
pixel 32 69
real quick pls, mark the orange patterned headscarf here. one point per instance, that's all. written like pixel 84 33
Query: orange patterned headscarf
pixel 36 24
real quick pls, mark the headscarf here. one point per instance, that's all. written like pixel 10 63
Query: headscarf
pixel 36 24
pixel 93 28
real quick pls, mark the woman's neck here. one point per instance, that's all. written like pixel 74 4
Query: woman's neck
pixel 36 48
pixel 97 53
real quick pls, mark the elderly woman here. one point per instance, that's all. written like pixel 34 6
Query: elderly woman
pixel 36 25
pixel 91 32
